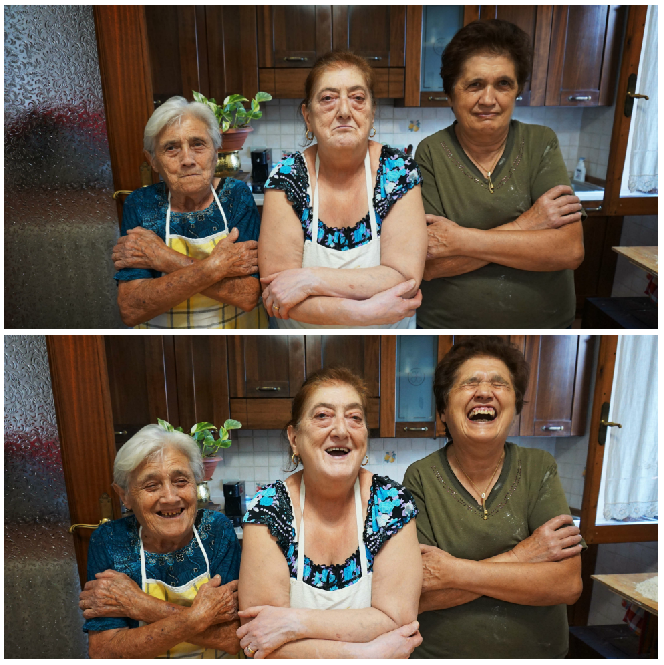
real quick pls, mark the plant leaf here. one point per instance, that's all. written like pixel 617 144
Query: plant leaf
pixel 200 98
pixel 233 99
pixel 167 426
pixel 263 97
pixel 232 424
pixel 198 427
pixel 225 444
pixel 225 126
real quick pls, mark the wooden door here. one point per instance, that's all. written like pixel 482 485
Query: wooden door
pixel 265 373
pixel 558 394
pixel 583 59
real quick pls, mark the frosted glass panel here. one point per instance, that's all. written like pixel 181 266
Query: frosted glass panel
pixel 60 220
pixel 440 23
pixel 416 364
pixel 42 618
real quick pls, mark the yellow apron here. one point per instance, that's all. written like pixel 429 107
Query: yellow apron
pixel 182 595
pixel 199 311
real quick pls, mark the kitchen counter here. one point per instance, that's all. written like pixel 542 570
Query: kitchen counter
pixel 642 257
pixel 625 585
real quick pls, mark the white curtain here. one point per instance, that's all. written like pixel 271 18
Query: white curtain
pixel 643 154
pixel 630 487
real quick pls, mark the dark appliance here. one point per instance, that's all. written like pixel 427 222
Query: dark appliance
pixel 236 505
pixel 261 165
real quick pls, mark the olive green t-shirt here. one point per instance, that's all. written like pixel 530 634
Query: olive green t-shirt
pixel 493 296
pixel 527 494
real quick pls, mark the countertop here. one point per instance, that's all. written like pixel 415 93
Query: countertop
pixel 642 257
pixel 625 585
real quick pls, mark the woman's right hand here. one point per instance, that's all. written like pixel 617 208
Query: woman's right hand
pixel 398 643
pixel 555 208
pixel 553 541
pixel 215 603
pixel 390 306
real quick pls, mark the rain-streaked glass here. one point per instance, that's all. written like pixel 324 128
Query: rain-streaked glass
pixel 60 220
pixel 42 618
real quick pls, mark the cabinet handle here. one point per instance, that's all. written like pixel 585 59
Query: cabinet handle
pixel 579 98
pixel 519 98
pixel 268 388
pixel 374 57
pixel 593 209
pixel 295 58
pixel 416 429
pixel 552 428
pixel 438 99
pixel 121 432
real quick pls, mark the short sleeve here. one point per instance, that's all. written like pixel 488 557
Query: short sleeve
pixel 397 175
pixel 291 177
pixel 245 214
pixel 99 560
pixel 413 482
pixel 225 560
pixel 433 204
pixel 271 507
pixel 391 507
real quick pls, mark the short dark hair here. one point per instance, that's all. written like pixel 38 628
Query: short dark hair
pixel 482 345
pixel 494 37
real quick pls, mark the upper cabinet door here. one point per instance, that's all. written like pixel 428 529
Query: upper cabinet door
pixel 583 60
pixel 293 35
pixel 376 32
pixel 535 21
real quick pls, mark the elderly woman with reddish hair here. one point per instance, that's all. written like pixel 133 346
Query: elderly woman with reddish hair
pixel 336 574
pixel 345 202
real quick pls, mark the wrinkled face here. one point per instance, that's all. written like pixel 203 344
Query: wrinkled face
pixel 185 156
pixel 484 94
pixel 341 112
pixel 162 494
pixel 331 438
pixel 481 403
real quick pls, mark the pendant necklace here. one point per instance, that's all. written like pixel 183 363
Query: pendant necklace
pixel 482 494
pixel 493 167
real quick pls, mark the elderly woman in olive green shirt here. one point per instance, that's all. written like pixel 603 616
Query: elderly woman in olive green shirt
pixel 504 225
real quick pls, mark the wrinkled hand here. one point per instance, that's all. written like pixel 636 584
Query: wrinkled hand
pixel 553 541
pixel 436 568
pixel 398 643
pixel 286 289
pixel 110 594
pixel 140 248
pixel 269 628
pixel 391 306
pixel 235 259
pixel 443 238
pixel 555 208
pixel 215 603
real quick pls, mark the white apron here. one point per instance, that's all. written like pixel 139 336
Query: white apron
pixel 182 595
pixel 316 255
pixel 354 597
pixel 199 311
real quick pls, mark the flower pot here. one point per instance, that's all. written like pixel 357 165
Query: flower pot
pixel 209 465
pixel 233 139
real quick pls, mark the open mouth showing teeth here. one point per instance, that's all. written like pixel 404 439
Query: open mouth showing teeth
pixel 337 452
pixel 483 414
pixel 170 514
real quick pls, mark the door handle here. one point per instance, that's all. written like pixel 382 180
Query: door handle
pixel 106 508
pixel 631 95
pixel 604 423
pixel 73 527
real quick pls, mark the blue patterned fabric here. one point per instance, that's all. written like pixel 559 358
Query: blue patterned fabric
pixel 397 175
pixel 390 508
pixel 116 546
pixel 147 207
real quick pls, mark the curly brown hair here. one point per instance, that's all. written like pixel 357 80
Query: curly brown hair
pixel 492 37
pixel 482 345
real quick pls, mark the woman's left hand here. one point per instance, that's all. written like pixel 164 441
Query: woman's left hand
pixel 111 594
pixel 140 248
pixel 285 289
pixel 437 568
pixel 442 236
pixel 269 628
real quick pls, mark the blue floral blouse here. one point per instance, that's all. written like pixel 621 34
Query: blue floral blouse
pixel 390 508
pixel 116 546
pixel 397 175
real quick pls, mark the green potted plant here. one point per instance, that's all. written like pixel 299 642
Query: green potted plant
pixel 233 117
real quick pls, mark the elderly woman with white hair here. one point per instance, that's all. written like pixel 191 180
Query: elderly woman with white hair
pixel 187 256
pixel 163 581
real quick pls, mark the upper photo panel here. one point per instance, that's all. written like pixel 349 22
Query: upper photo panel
pixel 478 167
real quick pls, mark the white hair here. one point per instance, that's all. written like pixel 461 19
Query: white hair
pixel 173 110
pixel 152 440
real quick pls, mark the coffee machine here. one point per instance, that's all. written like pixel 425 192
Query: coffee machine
pixel 236 505
pixel 261 165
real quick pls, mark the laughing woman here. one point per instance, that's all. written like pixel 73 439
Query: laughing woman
pixel 485 501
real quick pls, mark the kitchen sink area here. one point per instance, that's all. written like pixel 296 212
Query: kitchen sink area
pixel 587 191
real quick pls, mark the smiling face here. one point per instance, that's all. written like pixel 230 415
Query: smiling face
pixel 341 112
pixel 185 157
pixel 331 438
pixel 485 93
pixel 162 494
pixel 481 404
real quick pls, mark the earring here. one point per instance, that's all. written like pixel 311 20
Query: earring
pixel 295 459
pixel 309 138
pixel 373 129
pixel 366 460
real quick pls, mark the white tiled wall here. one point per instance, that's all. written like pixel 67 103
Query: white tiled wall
pixel 637 231
pixel 595 139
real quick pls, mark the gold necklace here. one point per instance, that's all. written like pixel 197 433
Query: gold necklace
pixel 488 173
pixel 482 494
